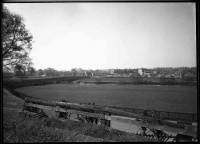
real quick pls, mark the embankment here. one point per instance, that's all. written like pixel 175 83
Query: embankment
pixel 137 80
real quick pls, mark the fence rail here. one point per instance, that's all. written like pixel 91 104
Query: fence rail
pixel 190 117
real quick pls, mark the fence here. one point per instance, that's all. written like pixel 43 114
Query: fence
pixel 177 116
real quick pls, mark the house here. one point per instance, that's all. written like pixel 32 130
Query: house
pixel 178 75
pixel 147 73
pixel 140 71
pixel 168 76
pixel 189 75
pixel 112 72
pixel 144 72
pixel 154 72
pixel 97 73
pixel 87 73
pixel 69 73
pixel 104 72
pixel 158 75
pixel 43 75
pixel 80 73
pixel 134 75
pixel 125 75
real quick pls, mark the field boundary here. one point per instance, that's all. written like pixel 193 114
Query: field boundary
pixel 139 81
pixel 100 80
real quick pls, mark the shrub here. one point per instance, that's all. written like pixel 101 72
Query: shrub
pixel 28 130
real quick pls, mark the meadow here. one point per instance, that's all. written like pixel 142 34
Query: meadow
pixel 162 98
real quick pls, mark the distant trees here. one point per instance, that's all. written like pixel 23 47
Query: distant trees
pixel 51 72
pixel 31 71
pixel 48 71
pixel 40 72
pixel 76 69
pixel 16 41
pixel 20 70
pixel 23 71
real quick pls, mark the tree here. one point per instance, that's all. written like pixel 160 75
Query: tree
pixel 20 70
pixel 16 40
pixel 76 69
pixel 31 71
pixel 40 72
pixel 49 72
pixel 7 75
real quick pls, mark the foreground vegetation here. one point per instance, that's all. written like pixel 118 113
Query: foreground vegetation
pixel 24 129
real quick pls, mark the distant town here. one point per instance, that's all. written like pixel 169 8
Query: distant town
pixel 165 72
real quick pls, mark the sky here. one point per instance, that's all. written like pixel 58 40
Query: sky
pixel 110 35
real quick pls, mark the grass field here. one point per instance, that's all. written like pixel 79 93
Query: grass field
pixel 163 98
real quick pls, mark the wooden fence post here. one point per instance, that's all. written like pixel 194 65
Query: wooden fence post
pixel 168 115
pixel 103 122
pixel 107 123
pixel 178 116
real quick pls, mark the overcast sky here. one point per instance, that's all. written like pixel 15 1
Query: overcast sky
pixel 110 35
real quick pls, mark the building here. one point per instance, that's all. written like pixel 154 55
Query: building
pixel 140 71
pixel 70 73
pixel 112 71
pixel 168 76
pixel 189 75
pixel 144 72
pixel 43 75
pixel 147 73
pixel 97 73
pixel 178 75
pixel 133 75
pixel 158 75
pixel 80 73
pixel 89 74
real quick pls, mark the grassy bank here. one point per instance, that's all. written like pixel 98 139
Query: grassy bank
pixel 24 129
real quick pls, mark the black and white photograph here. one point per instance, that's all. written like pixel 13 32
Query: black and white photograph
pixel 99 72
